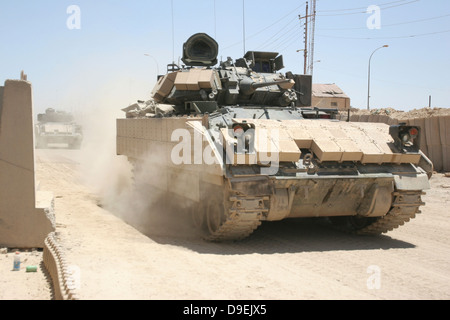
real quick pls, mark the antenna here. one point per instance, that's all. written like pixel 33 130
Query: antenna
pixel 243 21
pixel 173 36
pixel 215 22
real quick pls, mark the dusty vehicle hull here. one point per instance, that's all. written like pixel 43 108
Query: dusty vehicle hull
pixel 57 128
pixel 230 200
pixel 240 145
pixel 48 136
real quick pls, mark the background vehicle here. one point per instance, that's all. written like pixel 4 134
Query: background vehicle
pixel 57 127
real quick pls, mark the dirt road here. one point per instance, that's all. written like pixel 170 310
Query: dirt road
pixel 291 259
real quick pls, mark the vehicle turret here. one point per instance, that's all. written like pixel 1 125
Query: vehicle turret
pixel 251 80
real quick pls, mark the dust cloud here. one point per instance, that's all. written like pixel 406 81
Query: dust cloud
pixel 129 191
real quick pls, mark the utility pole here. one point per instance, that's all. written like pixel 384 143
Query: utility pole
pixel 305 54
pixel 312 15
pixel 308 52
pixel 305 51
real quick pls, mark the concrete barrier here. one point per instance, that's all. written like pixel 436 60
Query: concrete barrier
pixel 56 265
pixel 26 215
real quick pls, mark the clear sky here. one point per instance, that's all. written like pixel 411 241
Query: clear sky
pixel 76 62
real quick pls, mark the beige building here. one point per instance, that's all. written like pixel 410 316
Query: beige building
pixel 329 96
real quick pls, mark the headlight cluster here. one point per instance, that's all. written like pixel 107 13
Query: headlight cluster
pixel 245 136
pixel 408 136
pixel 405 136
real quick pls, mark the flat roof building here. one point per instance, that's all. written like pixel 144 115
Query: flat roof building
pixel 329 96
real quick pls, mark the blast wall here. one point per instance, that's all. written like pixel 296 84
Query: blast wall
pixel 26 215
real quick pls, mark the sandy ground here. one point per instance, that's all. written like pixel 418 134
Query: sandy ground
pixel 289 260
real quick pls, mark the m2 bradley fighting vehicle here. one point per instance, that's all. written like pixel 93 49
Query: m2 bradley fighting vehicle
pixel 240 144
pixel 57 127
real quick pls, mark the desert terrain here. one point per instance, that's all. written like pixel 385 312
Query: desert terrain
pixel 99 224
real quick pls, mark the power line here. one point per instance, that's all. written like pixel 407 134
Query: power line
pixel 365 11
pixel 384 38
pixel 289 40
pixel 344 72
pixel 284 28
pixel 264 29
pixel 360 8
pixel 392 24
pixel 287 31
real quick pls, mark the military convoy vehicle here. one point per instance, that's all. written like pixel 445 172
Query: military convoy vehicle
pixel 240 145
pixel 57 127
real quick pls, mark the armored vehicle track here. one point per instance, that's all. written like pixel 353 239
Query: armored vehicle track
pixel 404 208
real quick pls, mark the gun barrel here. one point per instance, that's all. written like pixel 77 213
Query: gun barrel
pixel 256 85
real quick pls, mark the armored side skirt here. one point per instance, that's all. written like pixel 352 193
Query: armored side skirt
pixel 321 196
pixel 370 197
